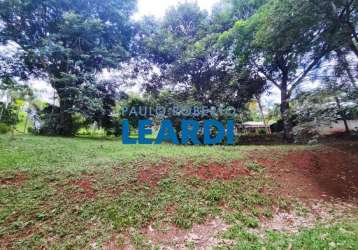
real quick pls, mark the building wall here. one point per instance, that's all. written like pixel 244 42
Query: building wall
pixel 329 128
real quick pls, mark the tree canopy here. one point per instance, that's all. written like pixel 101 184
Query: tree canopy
pixel 69 42
pixel 226 57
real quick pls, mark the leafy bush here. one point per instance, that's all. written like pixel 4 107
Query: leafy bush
pixel 53 122
pixel 4 129
pixel 306 133
pixel 33 131
pixel 9 114
pixel 262 131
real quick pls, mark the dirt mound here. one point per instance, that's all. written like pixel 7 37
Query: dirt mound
pixel 153 174
pixel 84 188
pixel 218 171
pixel 325 173
pixel 17 180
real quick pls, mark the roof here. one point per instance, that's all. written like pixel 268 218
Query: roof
pixel 254 124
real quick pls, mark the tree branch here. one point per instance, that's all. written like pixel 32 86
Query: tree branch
pixel 306 71
pixel 267 76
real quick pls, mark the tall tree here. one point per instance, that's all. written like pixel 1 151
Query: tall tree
pixel 70 41
pixel 226 12
pixel 187 58
pixel 341 18
pixel 283 42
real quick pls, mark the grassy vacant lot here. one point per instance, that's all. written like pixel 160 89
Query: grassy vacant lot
pixel 78 193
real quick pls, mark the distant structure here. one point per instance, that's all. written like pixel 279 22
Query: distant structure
pixel 325 128
pixel 255 127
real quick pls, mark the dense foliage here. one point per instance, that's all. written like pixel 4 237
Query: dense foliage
pixel 69 42
pixel 226 58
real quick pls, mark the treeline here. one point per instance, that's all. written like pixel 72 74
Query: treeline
pixel 225 58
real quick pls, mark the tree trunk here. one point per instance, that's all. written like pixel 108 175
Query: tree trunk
pixel 63 118
pixel 285 111
pixel 64 122
pixel 343 60
pixel 258 99
pixel 1 112
pixel 343 115
pixel 17 117
pixel 26 122
pixel 65 126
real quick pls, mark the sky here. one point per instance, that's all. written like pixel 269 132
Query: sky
pixel 158 8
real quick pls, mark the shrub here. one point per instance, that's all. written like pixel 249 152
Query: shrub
pixel 4 129
pixel 53 122
pixel 33 131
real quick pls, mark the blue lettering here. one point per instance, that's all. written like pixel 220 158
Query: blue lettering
pixel 190 130
pixel 126 133
pixel 166 133
pixel 230 132
pixel 143 131
pixel 219 137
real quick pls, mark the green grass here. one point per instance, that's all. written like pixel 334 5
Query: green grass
pixel 342 235
pixel 30 152
pixel 71 193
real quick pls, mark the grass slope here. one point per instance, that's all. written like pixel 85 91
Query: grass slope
pixel 77 193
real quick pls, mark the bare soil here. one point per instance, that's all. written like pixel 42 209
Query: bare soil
pixel 84 188
pixel 330 172
pixel 153 174
pixel 17 180
pixel 218 171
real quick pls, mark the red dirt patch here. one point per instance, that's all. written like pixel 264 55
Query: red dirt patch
pixel 217 171
pixel 153 174
pixel 18 180
pixel 86 188
pixel 326 173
